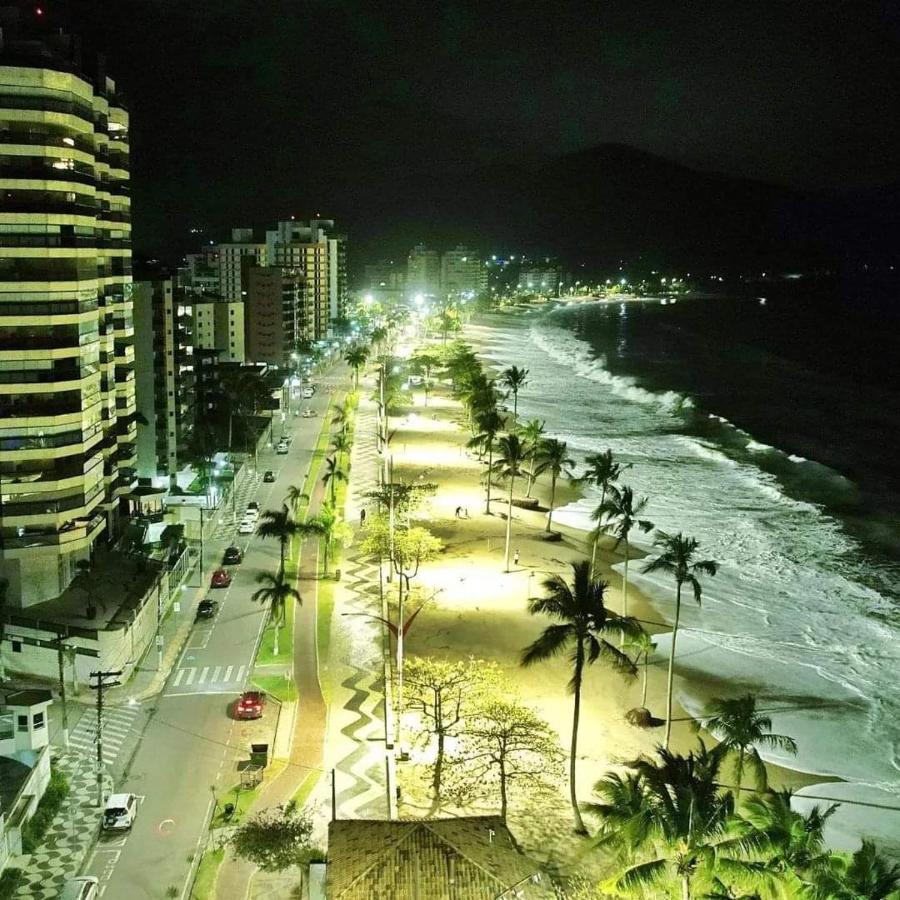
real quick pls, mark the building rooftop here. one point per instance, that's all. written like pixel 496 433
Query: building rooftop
pixel 468 858
pixel 28 698
pixel 13 775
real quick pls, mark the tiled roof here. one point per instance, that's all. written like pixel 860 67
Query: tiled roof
pixel 470 858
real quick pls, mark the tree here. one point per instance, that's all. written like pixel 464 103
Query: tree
pixel 741 729
pixel 489 424
pixel 509 465
pixel 584 624
pixel 443 692
pixel 294 498
pixel 333 474
pixel 553 457
pixel 532 434
pixel 501 744
pixel 515 379
pixel 340 419
pixel 669 818
pixel 356 358
pixel 676 556
pixel 423 363
pixel 867 875
pixel 341 444
pixel 642 646
pixel 278 524
pixel 330 529
pixel 276 838
pixel 275 592
pixel 622 515
pixel 601 471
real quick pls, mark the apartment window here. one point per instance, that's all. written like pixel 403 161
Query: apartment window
pixel 38 720
pixel 17 646
pixel 22 723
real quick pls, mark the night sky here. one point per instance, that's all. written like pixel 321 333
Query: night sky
pixel 244 111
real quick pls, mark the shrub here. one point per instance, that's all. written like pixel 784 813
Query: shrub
pixel 35 828
pixel 9 883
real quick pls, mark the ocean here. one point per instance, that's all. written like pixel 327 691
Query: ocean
pixel 767 431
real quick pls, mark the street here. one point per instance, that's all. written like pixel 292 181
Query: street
pixel 192 744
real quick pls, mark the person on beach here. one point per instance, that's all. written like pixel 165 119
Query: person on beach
pixel 516 558
pixel 362 517
pixel 458 510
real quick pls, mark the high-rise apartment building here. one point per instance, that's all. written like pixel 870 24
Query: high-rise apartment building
pixel 319 253
pixel 236 258
pixel 423 272
pixel 385 281
pixel 219 325
pixel 274 314
pixel 463 274
pixel 67 392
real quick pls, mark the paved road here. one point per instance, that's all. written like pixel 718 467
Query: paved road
pixel 191 742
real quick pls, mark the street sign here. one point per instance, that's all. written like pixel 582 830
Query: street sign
pixel 176 606
pixel 159 641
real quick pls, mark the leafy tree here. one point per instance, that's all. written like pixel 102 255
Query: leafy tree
pixel 515 379
pixel 532 435
pixel 275 592
pixel 866 875
pixel 443 692
pixel 489 424
pixel 279 525
pixel 502 744
pixel 642 645
pixel 584 626
pixel 356 358
pixel 601 470
pixel 509 466
pixel 742 729
pixel 406 497
pixel 676 556
pixel 622 516
pixel 340 419
pixel 333 474
pixel 276 838
pixel 553 457
pixel 423 363
pixel 294 498
pixel 330 529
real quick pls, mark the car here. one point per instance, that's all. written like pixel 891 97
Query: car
pixel 251 514
pixel 250 705
pixel 119 812
pixel 248 526
pixel 282 449
pixel 269 477
pixel 308 393
pixel 416 379
pixel 221 578
pixel 207 608
pixel 232 556
pixel 84 887
pixel 254 505
pixel 308 413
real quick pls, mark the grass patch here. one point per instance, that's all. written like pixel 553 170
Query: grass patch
pixel 35 828
pixel 281 687
pixel 306 788
pixel 324 612
pixel 207 872
pixel 242 801
pixel 266 655
pixel 10 881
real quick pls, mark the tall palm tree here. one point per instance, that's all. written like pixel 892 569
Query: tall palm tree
pixel 622 515
pixel 341 444
pixel 867 875
pixel 509 465
pixel 294 498
pixel 669 816
pixel 356 358
pixel 553 457
pixel 515 379
pixel 584 624
pixel 676 556
pixel 333 474
pixel 532 433
pixel 601 470
pixel 642 645
pixel 278 524
pixel 742 729
pixel 323 524
pixel 340 418
pixel 276 592
pixel 489 425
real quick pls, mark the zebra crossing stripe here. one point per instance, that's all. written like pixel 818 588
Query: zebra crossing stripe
pixel 228 674
pixel 203 674
pixel 191 673
pixel 178 677
pixel 240 674
pixel 216 672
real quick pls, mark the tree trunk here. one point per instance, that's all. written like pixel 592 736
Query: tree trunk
pixel 685 887
pixel 512 481
pixel 503 797
pixel 438 764
pixel 282 542
pixel 62 694
pixel 672 667
pixel 490 464
pixel 400 661
pixel 552 500
pixel 625 582
pixel 277 625
pixel 579 664
pixel 644 689
pixel 739 773
pixel 594 554
pixel 531 476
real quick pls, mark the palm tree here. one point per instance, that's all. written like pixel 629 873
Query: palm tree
pixel 509 465
pixel 601 471
pixel 677 557
pixel 489 425
pixel 294 498
pixel 515 379
pixel 622 515
pixel 553 457
pixel 356 358
pixel 341 443
pixel 642 645
pixel 276 592
pixel 340 419
pixel 532 433
pixel 333 474
pixel 323 525
pixel 742 729
pixel 279 525
pixel 865 876
pixel 584 625
pixel 671 810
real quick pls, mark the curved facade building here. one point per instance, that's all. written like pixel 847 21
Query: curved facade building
pixel 67 400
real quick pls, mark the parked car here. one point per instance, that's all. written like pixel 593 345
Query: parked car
pixel 207 608
pixel 119 812
pixel 253 504
pixel 308 392
pixel 308 413
pixel 251 514
pixel 269 477
pixel 282 449
pixel 221 578
pixel 250 705
pixel 84 887
pixel 248 526
pixel 416 379
pixel 232 556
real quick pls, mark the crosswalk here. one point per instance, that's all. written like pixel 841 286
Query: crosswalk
pixel 208 678
pixel 118 726
pixel 227 523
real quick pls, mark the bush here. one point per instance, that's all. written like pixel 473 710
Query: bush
pixel 9 883
pixel 35 828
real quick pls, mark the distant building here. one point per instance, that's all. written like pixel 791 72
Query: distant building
pixel 67 394
pixel 200 273
pixel 423 272
pixel 385 281
pixel 539 280
pixel 276 314
pixel 236 258
pixel 463 275
pixel 219 325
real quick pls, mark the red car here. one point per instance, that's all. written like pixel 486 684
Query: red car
pixel 250 705
pixel 221 578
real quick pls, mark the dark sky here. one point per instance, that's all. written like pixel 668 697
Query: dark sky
pixel 247 110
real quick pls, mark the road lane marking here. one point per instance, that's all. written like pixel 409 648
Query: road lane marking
pixel 228 674
pixel 178 677
pixel 224 693
pixel 240 674
pixel 203 674
pixel 190 679
pixel 216 673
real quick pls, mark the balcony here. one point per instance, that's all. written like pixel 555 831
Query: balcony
pixel 71 533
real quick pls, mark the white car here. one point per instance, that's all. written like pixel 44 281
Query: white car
pixel 119 812
pixel 307 413
pixel 416 380
pixel 84 887
pixel 251 514
pixel 282 449
pixel 308 393
pixel 248 526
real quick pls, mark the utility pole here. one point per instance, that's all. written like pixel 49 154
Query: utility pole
pixel 60 647
pixel 101 685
